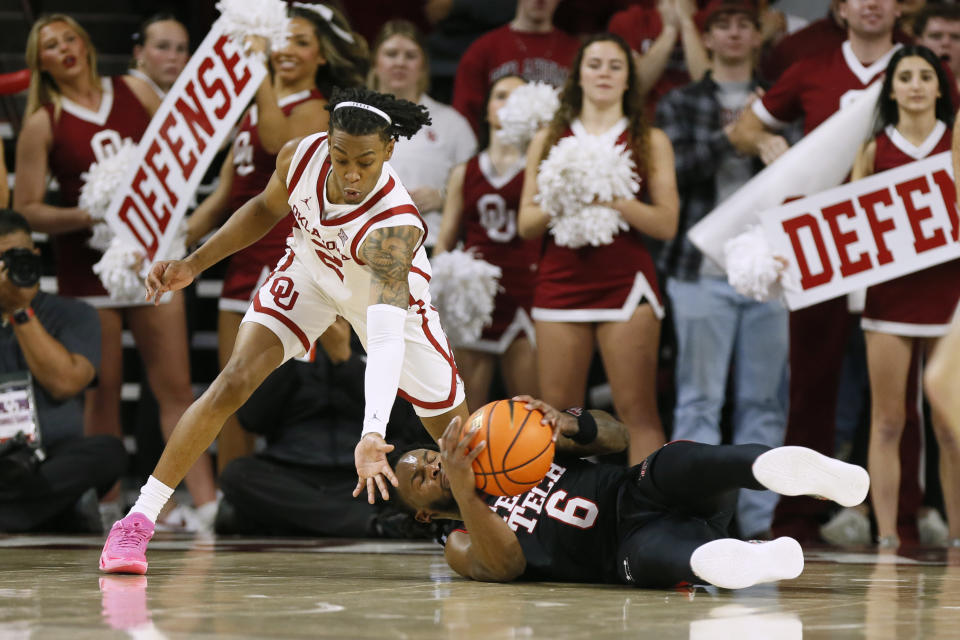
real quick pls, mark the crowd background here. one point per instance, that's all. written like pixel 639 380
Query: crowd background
pixel 447 54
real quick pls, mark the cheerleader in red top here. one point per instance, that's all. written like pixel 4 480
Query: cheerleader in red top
pixel 73 118
pixel 483 196
pixel 291 105
pixel 915 109
pixel 605 296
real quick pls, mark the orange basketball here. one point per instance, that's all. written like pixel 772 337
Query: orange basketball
pixel 519 449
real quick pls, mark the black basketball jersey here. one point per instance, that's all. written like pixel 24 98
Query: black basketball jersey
pixel 567 525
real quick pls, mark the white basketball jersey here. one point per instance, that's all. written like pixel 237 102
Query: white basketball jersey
pixel 327 237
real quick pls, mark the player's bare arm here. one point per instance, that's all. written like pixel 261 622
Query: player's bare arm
pixel 250 223
pixel 612 435
pixel 490 552
pixel 389 253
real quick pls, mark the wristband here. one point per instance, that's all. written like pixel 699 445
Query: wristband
pixel 587 424
pixel 21 316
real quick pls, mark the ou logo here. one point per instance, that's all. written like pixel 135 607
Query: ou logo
pixel 499 222
pixel 106 143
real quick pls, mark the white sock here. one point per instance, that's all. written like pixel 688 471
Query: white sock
pixel 153 496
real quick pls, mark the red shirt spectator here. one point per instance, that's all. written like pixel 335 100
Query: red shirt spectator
pixel 643 25
pixel 529 47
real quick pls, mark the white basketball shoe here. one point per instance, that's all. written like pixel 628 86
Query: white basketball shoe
pixel 734 564
pixel 797 471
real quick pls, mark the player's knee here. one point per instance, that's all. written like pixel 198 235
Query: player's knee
pixel 233 386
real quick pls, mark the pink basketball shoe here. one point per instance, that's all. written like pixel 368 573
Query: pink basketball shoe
pixel 126 546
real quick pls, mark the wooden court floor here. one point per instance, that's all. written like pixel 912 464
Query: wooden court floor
pixel 273 588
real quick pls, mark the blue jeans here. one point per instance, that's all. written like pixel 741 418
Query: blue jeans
pixel 717 327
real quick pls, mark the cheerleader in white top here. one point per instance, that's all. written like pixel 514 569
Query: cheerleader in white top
pixel 357 252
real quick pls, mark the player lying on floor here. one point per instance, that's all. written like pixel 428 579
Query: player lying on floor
pixel 658 524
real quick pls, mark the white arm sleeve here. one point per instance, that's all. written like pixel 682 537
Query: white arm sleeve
pixel 385 347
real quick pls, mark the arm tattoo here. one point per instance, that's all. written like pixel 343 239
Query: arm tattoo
pixel 388 253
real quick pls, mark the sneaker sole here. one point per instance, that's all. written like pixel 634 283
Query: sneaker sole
pixel 797 471
pixel 123 566
pixel 734 564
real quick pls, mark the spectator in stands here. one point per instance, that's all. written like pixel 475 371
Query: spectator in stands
pixel 456 24
pixel 483 197
pixel 530 47
pixel 718 330
pixel 49 353
pixel 320 52
pixel 938 27
pixel 825 34
pixel 915 116
pixel 604 296
pixel 667 41
pixel 160 52
pixel 909 9
pixel 812 90
pixel 401 67
pixel 300 484
pixel 74 118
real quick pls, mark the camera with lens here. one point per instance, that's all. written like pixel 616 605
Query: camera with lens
pixel 23 266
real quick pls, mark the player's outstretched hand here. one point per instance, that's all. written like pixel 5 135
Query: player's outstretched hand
pixel 457 457
pixel 370 456
pixel 167 275
pixel 562 422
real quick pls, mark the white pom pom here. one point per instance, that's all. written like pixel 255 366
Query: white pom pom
pixel 528 108
pixel 752 268
pixel 104 178
pixel 594 225
pixel 577 174
pixel 265 18
pixel 463 288
pixel 119 271
pixel 102 237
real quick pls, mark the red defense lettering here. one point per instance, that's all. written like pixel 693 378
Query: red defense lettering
pixel 231 64
pixel 160 172
pixel 149 199
pixel 793 226
pixel 869 202
pixel 921 242
pixel 844 239
pixel 210 90
pixel 195 116
pixel 128 207
pixel 948 192
pixel 176 144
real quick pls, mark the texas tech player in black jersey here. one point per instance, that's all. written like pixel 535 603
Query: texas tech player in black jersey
pixel 658 524
pixel 564 523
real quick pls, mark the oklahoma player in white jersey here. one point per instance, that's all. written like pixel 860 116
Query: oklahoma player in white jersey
pixel 356 251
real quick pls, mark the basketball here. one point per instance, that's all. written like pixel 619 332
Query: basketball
pixel 519 449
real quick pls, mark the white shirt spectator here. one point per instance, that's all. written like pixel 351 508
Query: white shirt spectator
pixel 426 159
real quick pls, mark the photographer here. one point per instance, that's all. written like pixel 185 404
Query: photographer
pixel 49 353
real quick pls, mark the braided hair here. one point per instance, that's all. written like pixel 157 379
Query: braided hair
pixel 407 117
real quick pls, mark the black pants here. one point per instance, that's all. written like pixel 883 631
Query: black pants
pixel 71 468
pixel 681 497
pixel 270 497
